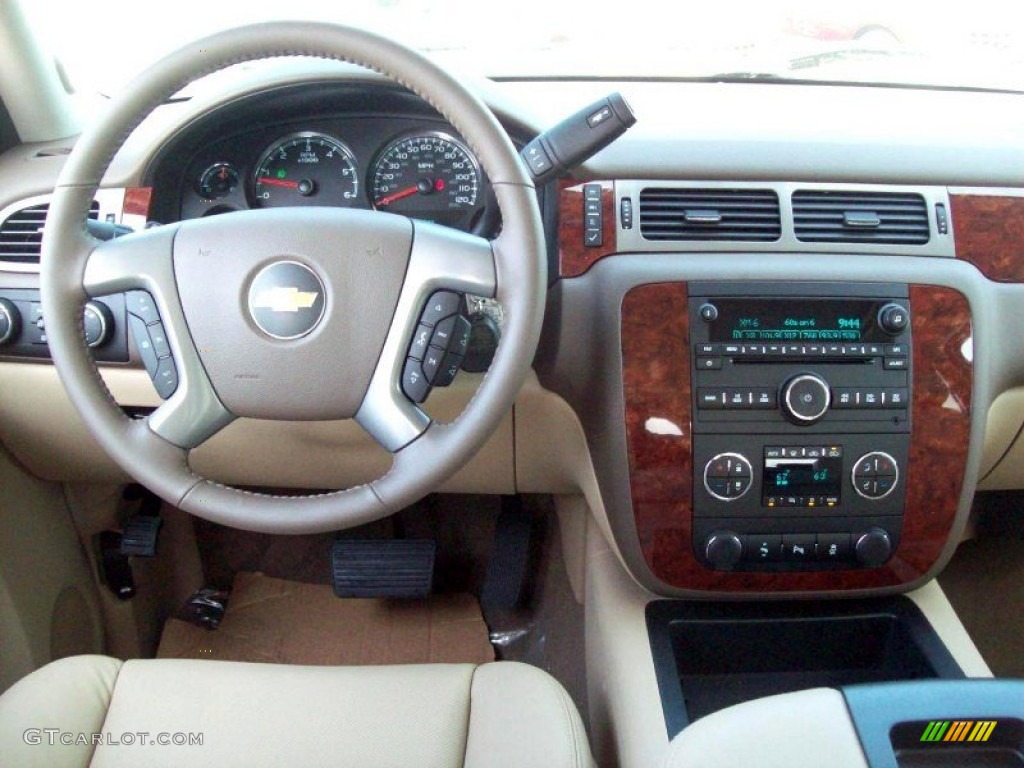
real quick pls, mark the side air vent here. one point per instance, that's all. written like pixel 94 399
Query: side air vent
pixel 21 235
pixel 822 216
pixel 680 214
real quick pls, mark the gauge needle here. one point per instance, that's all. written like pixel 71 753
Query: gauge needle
pixel 278 182
pixel 398 195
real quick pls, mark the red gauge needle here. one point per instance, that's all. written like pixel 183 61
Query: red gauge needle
pixel 278 182
pixel 398 195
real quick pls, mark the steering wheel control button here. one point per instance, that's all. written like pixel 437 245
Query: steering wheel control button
pixel 159 339
pixel 420 342
pixel 441 305
pixel 461 334
pixel 166 379
pixel 98 324
pixel 728 476
pixel 805 398
pixel 432 363
pixel 144 344
pixel 414 382
pixel 875 475
pixel 448 370
pixel 442 335
pixel 286 300
pixel 141 305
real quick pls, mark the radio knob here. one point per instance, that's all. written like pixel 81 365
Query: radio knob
pixel 805 398
pixel 10 321
pixel 893 319
pixel 873 548
pixel 723 549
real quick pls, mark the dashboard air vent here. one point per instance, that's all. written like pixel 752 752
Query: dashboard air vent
pixel 860 217
pixel 668 213
pixel 21 234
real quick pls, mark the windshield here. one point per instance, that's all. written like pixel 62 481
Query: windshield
pixel 103 43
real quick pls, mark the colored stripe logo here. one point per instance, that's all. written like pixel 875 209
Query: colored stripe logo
pixel 959 730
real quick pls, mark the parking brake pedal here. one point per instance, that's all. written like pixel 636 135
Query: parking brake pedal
pixel 401 568
pixel 139 536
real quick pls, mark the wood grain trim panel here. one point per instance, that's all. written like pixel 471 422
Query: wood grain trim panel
pixel 575 258
pixel 657 387
pixel 989 233
pixel 137 201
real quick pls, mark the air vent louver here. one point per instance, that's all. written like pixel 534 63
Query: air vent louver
pixel 668 213
pixel 21 235
pixel 860 217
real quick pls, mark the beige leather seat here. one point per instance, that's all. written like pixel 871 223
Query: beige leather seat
pixel 501 714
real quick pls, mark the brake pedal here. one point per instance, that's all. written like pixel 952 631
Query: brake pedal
pixel 400 568
pixel 510 557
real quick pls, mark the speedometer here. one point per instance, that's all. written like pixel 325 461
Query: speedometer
pixel 428 176
pixel 306 169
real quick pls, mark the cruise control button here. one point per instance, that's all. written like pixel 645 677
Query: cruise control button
pixel 140 304
pixel 159 339
pixel 798 547
pixel 762 548
pixel 166 378
pixel 441 305
pixel 414 383
pixel 834 546
pixel 144 344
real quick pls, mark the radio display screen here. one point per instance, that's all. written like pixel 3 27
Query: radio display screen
pixel 813 479
pixel 793 320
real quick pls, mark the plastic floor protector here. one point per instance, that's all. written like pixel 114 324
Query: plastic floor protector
pixel 287 622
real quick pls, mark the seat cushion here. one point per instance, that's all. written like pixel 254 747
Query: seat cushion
pixel 500 714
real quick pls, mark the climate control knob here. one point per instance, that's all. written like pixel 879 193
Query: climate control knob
pixel 723 549
pixel 805 398
pixel 10 321
pixel 873 548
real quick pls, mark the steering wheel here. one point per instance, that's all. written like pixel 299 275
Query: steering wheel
pixel 338 355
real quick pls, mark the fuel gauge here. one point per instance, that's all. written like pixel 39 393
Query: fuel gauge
pixel 217 181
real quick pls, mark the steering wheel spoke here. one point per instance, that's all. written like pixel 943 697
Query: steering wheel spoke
pixel 442 262
pixel 141 265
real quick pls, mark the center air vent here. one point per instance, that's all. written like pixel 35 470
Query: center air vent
pixel 21 235
pixel 668 213
pixel 822 216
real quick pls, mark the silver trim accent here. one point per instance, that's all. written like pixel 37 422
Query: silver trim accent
pixel 631 241
pixel 787 389
pixel 252 314
pixel 145 261
pixel 103 322
pixel 440 258
pixel 372 176
pixel 895 482
pixel 111 202
pixel 6 312
pixel 348 153
pixel 739 456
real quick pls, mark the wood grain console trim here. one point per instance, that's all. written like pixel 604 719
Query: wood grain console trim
pixel 658 420
pixel 574 257
pixel 137 201
pixel 989 232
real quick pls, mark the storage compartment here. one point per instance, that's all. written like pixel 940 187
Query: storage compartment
pixel 711 656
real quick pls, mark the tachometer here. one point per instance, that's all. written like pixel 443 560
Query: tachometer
pixel 428 176
pixel 306 169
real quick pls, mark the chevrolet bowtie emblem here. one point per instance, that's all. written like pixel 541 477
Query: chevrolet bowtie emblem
pixel 284 299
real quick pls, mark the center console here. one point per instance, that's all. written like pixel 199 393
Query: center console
pixel 801 424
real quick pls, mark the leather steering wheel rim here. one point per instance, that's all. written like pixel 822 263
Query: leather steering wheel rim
pixel 74 268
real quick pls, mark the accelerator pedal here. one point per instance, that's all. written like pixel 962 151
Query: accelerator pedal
pixel 398 568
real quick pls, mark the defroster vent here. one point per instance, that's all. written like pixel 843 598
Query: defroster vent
pixel 750 215
pixel 21 234
pixel 825 216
